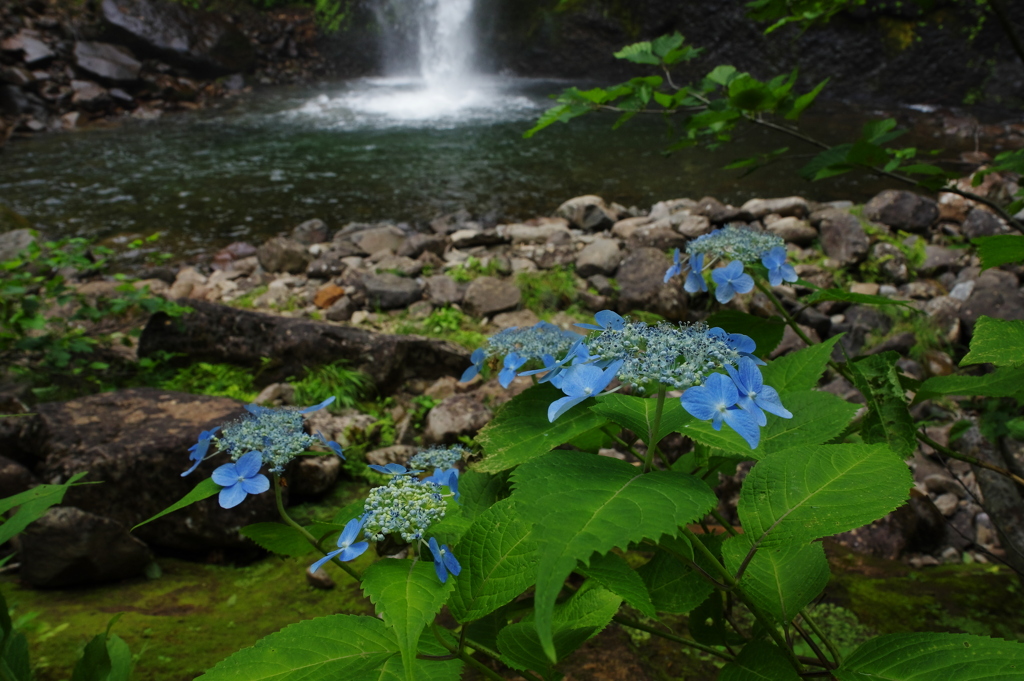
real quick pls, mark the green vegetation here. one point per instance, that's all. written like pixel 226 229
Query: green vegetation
pixel 448 324
pixel 473 268
pixel 338 380
pixel 553 289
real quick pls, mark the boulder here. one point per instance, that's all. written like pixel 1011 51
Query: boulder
pixel 417 244
pixel 109 62
pixel 310 232
pixel 14 242
pixel 341 310
pixel 794 230
pixel 981 222
pixel 327 295
pixel 486 296
pixel 90 95
pixel 902 209
pixel 376 239
pixel 939 259
pixel 789 206
pixel 28 42
pixel 641 285
pixel 14 478
pixel 996 293
pixel 16 76
pixel 443 290
pixel 718 212
pixel 691 226
pixel 281 254
pixel 601 256
pixel 843 237
pixel 658 235
pixel 588 212
pixel 534 234
pixel 917 526
pixel 310 476
pixel 198 41
pixel 455 416
pixel 71 547
pixel 390 291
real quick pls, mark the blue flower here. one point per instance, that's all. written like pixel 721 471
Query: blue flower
pixel 743 345
pixel 240 479
pixel 731 280
pixel 444 561
pixel 580 382
pixel 477 358
pixel 676 268
pixel 755 396
pixel 317 407
pixel 511 366
pixel 778 269
pixel 197 452
pixel 346 549
pixel 446 478
pixel 393 469
pixel 334 446
pixel 694 281
pixel 716 401
pixel 606 319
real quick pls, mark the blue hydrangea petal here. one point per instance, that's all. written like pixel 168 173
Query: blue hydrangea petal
pixel 724 292
pixel 744 423
pixel 231 496
pixel 320 563
pixel 351 531
pixel 225 475
pixel 450 561
pixel 562 405
pixel 697 403
pixel 470 373
pixel 249 464
pixel 318 407
pixel 352 552
pixel 768 399
pixel 258 484
pixel 390 469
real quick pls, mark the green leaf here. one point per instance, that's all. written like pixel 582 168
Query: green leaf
pixel 999 250
pixel 638 414
pixel 844 296
pixel 766 333
pixel 996 341
pixel 829 162
pixel 929 656
pixel 613 573
pixel 666 44
pixel 888 420
pixel 805 493
pixel 407 594
pixel 498 563
pixel 479 491
pixel 675 587
pixel 521 430
pixel 759 661
pixel 32 504
pixel 14 658
pixel 1003 382
pixel 572 623
pixel 204 490
pixel 278 538
pixel 638 53
pixel 94 664
pixel 580 504
pixel 800 370
pixel 878 132
pixel 722 74
pixel 781 579
pixel 120 658
pixel 804 101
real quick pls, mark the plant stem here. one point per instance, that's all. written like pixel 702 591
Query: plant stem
pixel 468 659
pixel 725 523
pixel 305 533
pixel 618 440
pixel 953 454
pixel 652 431
pixel 814 646
pixel 832 649
pixel 632 624
pixel 788 318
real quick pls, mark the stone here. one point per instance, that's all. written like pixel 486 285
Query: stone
pixel 327 295
pixel 624 229
pixel 443 290
pixel 534 234
pixel 789 206
pixel 996 294
pixel 718 212
pixel 917 526
pixel 942 483
pixel 891 262
pixel 310 232
pixel 902 209
pixel 486 296
pixel 34 51
pixel 399 264
pixel 901 343
pixel 378 239
pixel 864 288
pixel 981 222
pixel 657 235
pixel 641 285
pixel 399 454
pixel 947 503
pixel 937 363
pixel 311 476
pixel 602 285
pixel 938 259
pixel 421 309
pixel 589 213
pixel 390 291
pixel 341 310
pixel 276 395
pixel 325 266
pixel 189 38
pixel 794 230
pixel 985 531
pixel 455 416
pixel 15 75
pixel 14 242
pixel 418 244
pixel 843 237
pixel 187 279
pixel 520 318
pixel 320 579
pixel 691 226
pixel 71 547
pixel 281 254
pixel 89 95
pixel 109 62
pixel 601 256
pixel 14 477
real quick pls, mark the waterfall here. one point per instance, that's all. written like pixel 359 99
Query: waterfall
pixel 431 39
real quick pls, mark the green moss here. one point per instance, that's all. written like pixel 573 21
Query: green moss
pixel 246 301
pixel 446 323
pixel 553 289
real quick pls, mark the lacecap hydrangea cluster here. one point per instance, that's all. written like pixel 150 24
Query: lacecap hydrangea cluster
pixel 717 371
pixel 516 346
pixel 264 437
pixel 741 246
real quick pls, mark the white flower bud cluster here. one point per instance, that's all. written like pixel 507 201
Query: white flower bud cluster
pixel 276 433
pixel 438 457
pixel 735 243
pixel 405 506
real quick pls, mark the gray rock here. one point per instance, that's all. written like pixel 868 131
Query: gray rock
pixel 311 476
pixel 691 226
pixel 15 75
pixel 340 310
pixel 789 206
pixel 892 263
pixel 980 222
pixel 486 296
pixel 443 290
pixel 794 230
pixel 535 234
pixel 417 244
pixel 379 239
pixel 90 95
pixel 658 235
pixel 601 256
pixel 602 285
pixel 14 478
pixel 283 255
pixel 938 259
pixel 394 454
pixel 70 547
pixel 310 232
pixel 468 238
pixel 455 416
pixel 641 276
pixel 398 264
pixel 325 266
pixel 996 294
pixel 28 42
pixel 942 483
pixel 902 209
pixel 843 237
pixel 390 291
pixel 109 62
pixel 14 242
pixel 589 213
pixel 718 212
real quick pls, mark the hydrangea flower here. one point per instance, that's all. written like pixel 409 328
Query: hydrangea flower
pixel 444 458
pixel 735 243
pixel 694 281
pixel 478 358
pixel 606 319
pixel 511 365
pixel 743 345
pixel 330 444
pixel 444 561
pixel 754 395
pixel 731 280
pixel 582 381
pixel 240 479
pixel 197 452
pixel 347 550
pixel 675 269
pixel 392 469
pixel 716 401
pixel 527 343
pixel 278 434
pixel 778 269
pixel 405 506
pixel 445 478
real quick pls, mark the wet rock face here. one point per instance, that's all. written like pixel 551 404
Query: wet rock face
pixel 903 210
pixel 843 237
pixel 106 61
pixel 200 42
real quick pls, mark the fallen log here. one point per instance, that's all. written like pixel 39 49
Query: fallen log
pixel 217 333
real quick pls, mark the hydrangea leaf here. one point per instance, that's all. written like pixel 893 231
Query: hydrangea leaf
pixel 759 661
pixel 278 538
pixel 32 504
pixel 1003 382
pixel 844 296
pixel 673 586
pixel 766 332
pixel 999 249
pixel 638 414
pixel 608 504
pixel 498 563
pixel 450 529
pixel 426 670
pixel 782 579
pixel 799 370
pixel 888 419
pixel 573 622
pixel 996 341
pixel 407 594
pixel 928 656
pixel 204 490
pixel 521 430
pixel 805 493
pixel 14 656
pixel 479 491
pixel 350 647
pixel 611 571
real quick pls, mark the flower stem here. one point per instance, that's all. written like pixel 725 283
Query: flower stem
pixel 832 649
pixel 305 533
pixel 467 658
pixel 632 624
pixel 652 433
